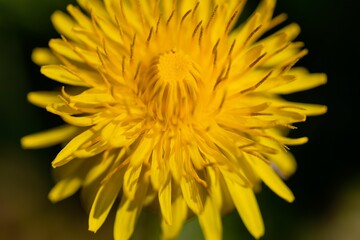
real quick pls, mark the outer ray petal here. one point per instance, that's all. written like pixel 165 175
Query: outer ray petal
pixel 131 181
pixel 215 188
pixel 271 179
pixel 64 189
pixel 64 24
pixel 302 109
pixel 50 137
pixel 125 220
pixel 304 81
pixel 104 200
pixel 95 7
pixel 179 213
pixel 246 205
pixel 44 98
pixel 94 178
pixel 62 75
pixel 165 202
pixel 284 161
pixel 64 48
pixel 66 154
pixel 70 179
pixel 159 172
pixel 129 211
pixel 194 194
pixel 142 151
pixel 210 221
pixel 309 108
pixel 80 17
pixel 43 56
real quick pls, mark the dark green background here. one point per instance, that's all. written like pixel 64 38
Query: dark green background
pixel 326 185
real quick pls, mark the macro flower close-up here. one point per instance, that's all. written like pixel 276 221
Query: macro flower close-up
pixel 173 107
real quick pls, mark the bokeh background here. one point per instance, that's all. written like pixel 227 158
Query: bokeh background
pixel 326 185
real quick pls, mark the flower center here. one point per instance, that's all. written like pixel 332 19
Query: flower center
pixel 174 67
pixel 169 87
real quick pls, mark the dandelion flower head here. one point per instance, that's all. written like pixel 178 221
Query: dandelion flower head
pixel 172 106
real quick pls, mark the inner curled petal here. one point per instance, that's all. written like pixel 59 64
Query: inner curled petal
pixel 170 87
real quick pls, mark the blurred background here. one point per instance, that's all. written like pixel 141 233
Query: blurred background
pixel 326 185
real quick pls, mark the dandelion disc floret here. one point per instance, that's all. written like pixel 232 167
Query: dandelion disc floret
pixel 170 88
pixel 172 106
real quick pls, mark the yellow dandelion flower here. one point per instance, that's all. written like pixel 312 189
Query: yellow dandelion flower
pixel 170 105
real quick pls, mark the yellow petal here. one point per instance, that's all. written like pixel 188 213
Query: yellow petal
pixel 131 180
pixel 129 211
pixel 278 59
pixel 49 138
pixel 265 9
pixel 63 24
pixel 94 178
pixel 309 108
pixel 115 134
pixel 83 121
pixel 271 179
pixel 303 81
pixel 292 31
pixel 105 199
pixel 237 175
pixel 43 98
pixel 165 202
pixel 87 38
pixel 159 172
pixel 65 155
pixel 175 162
pixel 215 189
pixel 300 108
pixel 210 221
pixel 196 158
pixel 95 7
pixel 104 161
pixel 43 56
pixel 92 150
pixel 109 29
pixel 246 205
pixel 179 213
pixel 193 193
pixel 60 74
pixel 284 164
pixel 70 178
pixel 82 19
pixel 219 136
pixel 113 8
pixel 64 189
pixel 125 220
pixel 63 48
pixel 292 141
pixel 284 161
pixel 89 56
pixel 167 8
pixel 142 152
